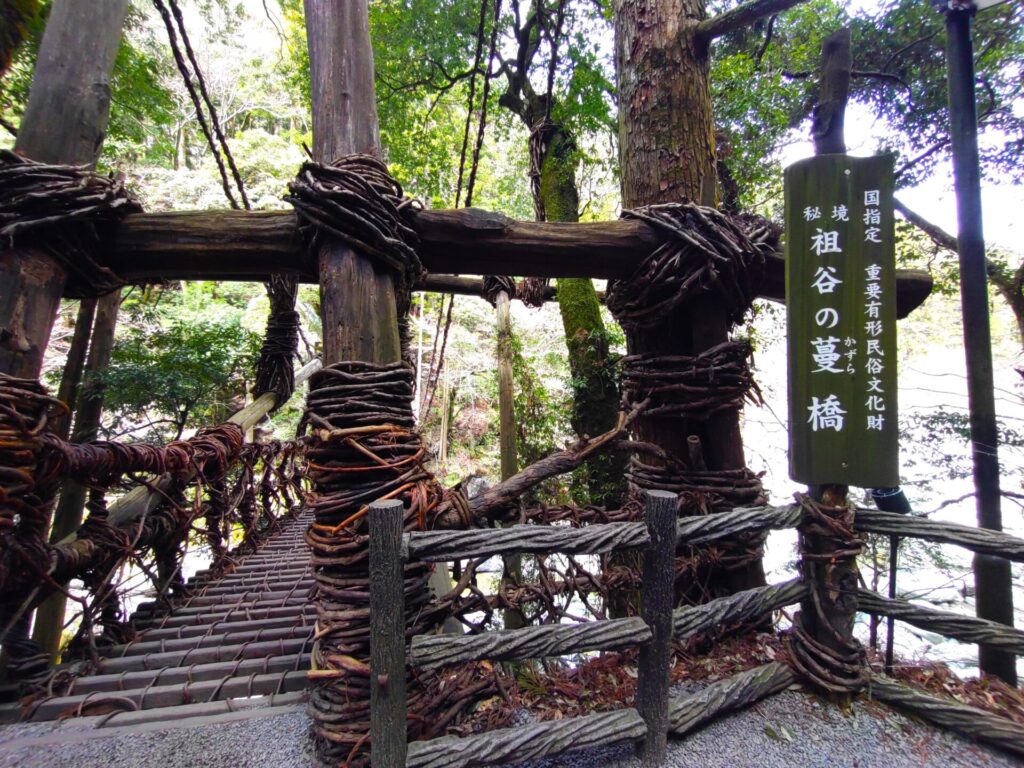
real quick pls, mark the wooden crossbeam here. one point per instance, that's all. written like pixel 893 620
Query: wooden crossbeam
pixel 241 245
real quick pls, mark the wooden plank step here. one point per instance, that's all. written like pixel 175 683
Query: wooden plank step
pixel 162 696
pixel 238 614
pixel 163 645
pixel 216 670
pixel 270 585
pixel 220 627
pixel 282 647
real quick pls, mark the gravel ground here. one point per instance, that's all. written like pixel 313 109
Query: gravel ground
pixel 279 741
pixel 790 730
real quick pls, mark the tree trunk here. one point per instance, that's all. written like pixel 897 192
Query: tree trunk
pixel 50 614
pixel 595 393
pixel 64 122
pixel 512 570
pixel 667 153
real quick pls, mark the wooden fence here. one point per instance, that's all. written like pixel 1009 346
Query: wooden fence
pixel 655 715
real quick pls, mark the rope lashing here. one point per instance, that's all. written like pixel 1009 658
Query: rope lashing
pixel 31 461
pixel 704 250
pixel 26 489
pixel 495 284
pixel 68 211
pixel 823 652
pixel 362 447
pixel 691 386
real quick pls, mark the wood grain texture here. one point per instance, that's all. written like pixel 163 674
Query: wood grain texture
pixel 745 606
pixel 65 121
pixel 460 545
pixel 689 713
pixel 980 540
pixel 357 297
pixel 387 630
pixel 970 721
pixel 528 742
pixel 241 245
pixel 656 609
pixel 701 530
pixel 433 651
pixel 966 629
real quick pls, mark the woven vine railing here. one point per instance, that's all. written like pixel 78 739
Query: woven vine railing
pixel 392 658
pixel 211 488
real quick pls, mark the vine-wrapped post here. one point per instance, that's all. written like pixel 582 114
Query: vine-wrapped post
pixel 64 122
pixel 387 631
pixel 656 609
pixel 359 407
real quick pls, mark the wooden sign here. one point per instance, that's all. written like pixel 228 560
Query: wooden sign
pixel 841 307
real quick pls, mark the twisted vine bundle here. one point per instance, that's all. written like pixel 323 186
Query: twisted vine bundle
pixel 362 448
pixel 357 201
pixel 66 210
pixel 704 250
pixel 691 386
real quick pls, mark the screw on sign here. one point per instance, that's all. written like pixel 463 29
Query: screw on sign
pixel 841 302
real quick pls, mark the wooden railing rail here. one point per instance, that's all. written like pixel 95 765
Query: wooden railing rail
pixel 652 633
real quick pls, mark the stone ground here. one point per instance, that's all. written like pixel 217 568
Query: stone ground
pixel 790 730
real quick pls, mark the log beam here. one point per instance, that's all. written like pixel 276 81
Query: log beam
pixel 242 245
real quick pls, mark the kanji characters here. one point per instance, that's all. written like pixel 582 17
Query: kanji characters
pixel 826 414
pixel 825 242
pixel 825 280
pixel 825 354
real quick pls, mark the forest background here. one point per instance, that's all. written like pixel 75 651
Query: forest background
pixel 185 351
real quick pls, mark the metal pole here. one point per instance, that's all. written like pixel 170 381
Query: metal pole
pixel 993 593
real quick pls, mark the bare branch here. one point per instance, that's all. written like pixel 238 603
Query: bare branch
pixel 858 73
pixel 768 33
pixel 907 47
pixel 937 234
pixel 741 16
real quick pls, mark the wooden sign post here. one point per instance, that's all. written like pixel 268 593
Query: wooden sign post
pixel 841 308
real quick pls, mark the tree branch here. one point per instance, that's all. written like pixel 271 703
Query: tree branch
pixel 937 234
pixel 741 16
pixel 1010 287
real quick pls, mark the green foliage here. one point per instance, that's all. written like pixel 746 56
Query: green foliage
pixel 541 416
pixel 906 40
pixel 941 439
pixel 182 359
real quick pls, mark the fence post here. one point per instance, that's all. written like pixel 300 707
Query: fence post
pixel 656 610
pixel 387 636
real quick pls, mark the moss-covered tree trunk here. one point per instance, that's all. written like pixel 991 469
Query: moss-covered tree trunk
pixel 667 153
pixel 595 390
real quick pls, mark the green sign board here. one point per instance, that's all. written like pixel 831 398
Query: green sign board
pixel 841 307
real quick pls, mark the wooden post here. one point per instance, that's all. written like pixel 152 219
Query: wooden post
pixel 387 636
pixel 71 378
pixel 506 390
pixel 65 121
pixel 656 610
pixel 839 609
pixel 357 297
pixel 723 439
pixel 512 564
pixel 49 622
